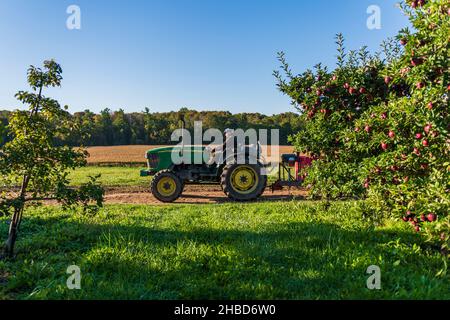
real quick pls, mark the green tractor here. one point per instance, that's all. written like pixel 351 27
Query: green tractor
pixel 240 182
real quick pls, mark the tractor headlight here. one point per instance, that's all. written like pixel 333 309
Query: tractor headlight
pixel 152 160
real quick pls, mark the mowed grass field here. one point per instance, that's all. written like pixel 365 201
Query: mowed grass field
pixel 263 250
pixel 282 250
pixel 117 177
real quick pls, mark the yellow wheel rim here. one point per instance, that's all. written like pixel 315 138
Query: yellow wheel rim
pixel 166 186
pixel 244 179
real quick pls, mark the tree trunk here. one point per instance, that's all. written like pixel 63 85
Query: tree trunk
pixel 8 249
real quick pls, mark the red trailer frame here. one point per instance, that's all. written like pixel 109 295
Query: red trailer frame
pixel 285 176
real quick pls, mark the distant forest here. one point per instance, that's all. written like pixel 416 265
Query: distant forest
pixel 109 128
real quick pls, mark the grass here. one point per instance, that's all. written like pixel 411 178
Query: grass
pixel 118 176
pixel 110 176
pixel 283 250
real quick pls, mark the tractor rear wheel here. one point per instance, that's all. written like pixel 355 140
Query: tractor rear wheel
pixel 166 186
pixel 243 182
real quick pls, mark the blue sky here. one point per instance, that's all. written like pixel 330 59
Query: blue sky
pixel 168 54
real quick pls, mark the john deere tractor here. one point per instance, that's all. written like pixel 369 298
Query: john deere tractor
pixel 240 182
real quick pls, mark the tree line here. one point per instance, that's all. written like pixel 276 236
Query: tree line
pixel 109 128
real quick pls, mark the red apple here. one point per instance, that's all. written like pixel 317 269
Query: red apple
pixel 368 129
pixel 352 90
pixel 417 228
pixel 356 129
pixel 387 79
pixel 346 85
pixel 431 217
pixel 391 134
pixel 425 143
pixel 430 105
pixel 362 90
pixel 416 61
pixel 420 85
pixel 427 128
pixel 416 151
pixel 418 136
pixel 383 115
pixel 423 218
pixel 384 146
pixel 405 219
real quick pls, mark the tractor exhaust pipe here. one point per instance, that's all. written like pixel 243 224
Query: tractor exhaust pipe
pixel 183 125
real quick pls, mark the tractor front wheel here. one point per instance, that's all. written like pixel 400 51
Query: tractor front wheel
pixel 243 182
pixel 166 186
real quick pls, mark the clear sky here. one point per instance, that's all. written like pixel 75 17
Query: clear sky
pixel 168 54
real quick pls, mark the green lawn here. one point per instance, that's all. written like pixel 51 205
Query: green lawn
pixel 117 176
pixel 290 250
pixel 110 176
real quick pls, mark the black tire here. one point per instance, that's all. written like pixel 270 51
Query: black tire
pixel 173 185
pixel 254 191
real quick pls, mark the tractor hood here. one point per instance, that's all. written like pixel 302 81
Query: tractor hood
pixel 161 158
pixel 177 148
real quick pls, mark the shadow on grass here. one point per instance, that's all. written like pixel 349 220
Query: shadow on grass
pixel 281 261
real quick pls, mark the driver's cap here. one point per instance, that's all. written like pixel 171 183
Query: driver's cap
pixel 228 131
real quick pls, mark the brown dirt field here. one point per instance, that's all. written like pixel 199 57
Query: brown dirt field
pixel 118 154
pixel 194 194
pixel 135 154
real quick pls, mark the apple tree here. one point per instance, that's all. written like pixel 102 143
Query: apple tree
pixel 380 127
pixel 406 153
pixel 329 103
pixel 33 167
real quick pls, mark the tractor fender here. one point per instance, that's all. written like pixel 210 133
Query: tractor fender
pixel 249 159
